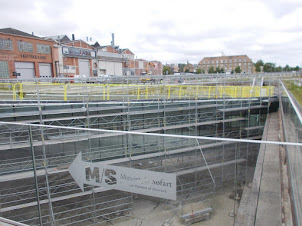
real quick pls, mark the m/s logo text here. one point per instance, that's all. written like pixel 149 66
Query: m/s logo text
pixel 94 175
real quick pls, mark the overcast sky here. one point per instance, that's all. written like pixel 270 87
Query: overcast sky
pixel 170 31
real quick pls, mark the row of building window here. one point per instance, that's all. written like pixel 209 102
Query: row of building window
pixel 225 67
pixel 239 63
pixel 223 61
pixel 7 44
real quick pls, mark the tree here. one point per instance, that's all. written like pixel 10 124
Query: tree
pixel 278 69
pixel 286 68
pixel 269 67
pixel 258 68
pixel 258 65
pixel 238 69
pixel 297 68
pixel 181 67
pixel 198 70
pixel 166 70
pixel 211 70
pixel 219 70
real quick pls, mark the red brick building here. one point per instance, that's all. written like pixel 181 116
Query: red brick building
pixel 25 56
pixel 78 58
pixel 228 63
pixel 128 62
pixel 109 60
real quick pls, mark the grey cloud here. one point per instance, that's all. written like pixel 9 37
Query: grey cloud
pixel 21 15
pixel 281 8
pixel 13 6
pixel 168 40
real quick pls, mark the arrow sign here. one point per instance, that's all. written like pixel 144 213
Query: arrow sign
pixel 156 184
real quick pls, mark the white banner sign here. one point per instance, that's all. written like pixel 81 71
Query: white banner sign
pixel 157 184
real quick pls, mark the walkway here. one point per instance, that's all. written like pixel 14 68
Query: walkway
pixel 261 204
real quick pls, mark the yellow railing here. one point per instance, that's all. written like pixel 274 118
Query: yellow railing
pixel 7 91
pixel 78 91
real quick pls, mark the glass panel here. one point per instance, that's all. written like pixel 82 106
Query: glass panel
pixel 43 49
pixel 4 72
pixel 25 47
pixel 6 44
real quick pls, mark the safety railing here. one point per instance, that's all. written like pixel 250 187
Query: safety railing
pixel 7 91
pixel 292 122
pixel 105 92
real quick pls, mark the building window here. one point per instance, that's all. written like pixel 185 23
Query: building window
pixel 6 44
pixel 25 47
pixel 43 48
pixel 69 67
pixel 221 61
pixel 4 73
pixel 141 65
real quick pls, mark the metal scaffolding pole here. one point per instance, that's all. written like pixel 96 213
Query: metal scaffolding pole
pixel 35 174
pixel 52 218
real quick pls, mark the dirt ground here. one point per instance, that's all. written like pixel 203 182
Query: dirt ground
pixel 150 213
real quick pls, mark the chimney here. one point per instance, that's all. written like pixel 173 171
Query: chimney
pixel 112 42
pixel 73 37
pixel 32 33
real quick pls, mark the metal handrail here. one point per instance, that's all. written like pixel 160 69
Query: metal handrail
pixel 154 134
pixel 293 103
pixel 11 222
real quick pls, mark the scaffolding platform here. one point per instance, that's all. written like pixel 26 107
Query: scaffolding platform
pixel 57 112
pixel 56 199
pixel 253 127
pixel 86 136
pixel 190 125
pixel 212 166
pixel 50 171
pixel 169 153
pixel 48 112
pixel 242 108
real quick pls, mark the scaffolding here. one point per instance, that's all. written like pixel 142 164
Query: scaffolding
pixel 163 128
